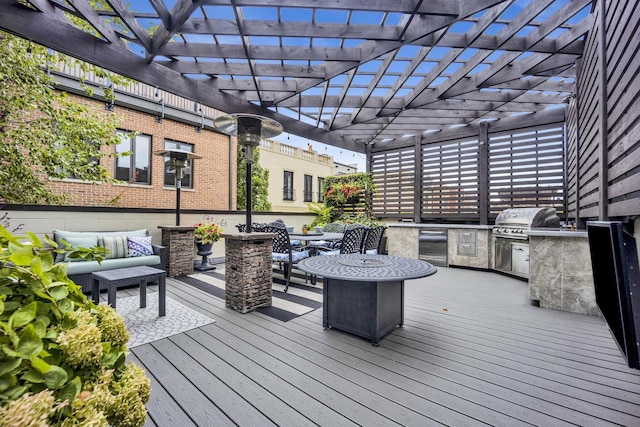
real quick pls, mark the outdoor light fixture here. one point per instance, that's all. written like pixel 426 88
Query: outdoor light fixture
pixel 249 129
pixel 177 162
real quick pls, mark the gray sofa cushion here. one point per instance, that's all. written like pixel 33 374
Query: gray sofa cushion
pixel 76 242
pixel 58 235
pixel 110 264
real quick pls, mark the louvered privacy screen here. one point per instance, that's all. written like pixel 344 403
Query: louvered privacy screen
pixel 525 169
pixel 394 176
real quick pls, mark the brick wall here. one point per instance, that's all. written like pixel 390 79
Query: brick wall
pixel 211 173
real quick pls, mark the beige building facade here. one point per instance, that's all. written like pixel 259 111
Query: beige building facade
pixel 296 175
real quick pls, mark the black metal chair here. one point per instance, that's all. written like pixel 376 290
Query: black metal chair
pixel 373 240
pixel 351 243
pixel 256 226
pixel 283 252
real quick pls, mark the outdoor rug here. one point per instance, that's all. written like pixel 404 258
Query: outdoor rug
pixel 300 299
pixel 145 326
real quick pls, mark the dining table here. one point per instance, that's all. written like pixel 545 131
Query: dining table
pixel 364 294
pixel 314 236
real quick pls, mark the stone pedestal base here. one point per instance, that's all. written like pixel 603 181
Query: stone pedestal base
pixel 178 240
pixel 248 281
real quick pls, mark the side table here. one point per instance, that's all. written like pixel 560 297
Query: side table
pixel 130 276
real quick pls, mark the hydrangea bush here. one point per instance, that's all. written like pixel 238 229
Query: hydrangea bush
pixel 62 358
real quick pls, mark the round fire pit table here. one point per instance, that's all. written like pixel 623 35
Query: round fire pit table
pixel 364 294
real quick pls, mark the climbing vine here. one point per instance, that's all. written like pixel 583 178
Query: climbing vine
pixel 349 195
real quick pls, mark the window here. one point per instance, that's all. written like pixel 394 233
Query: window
pixel 288 186
pixel 170 173
pixel 140 158
pixel 320 190
pixel 308 188
pixel 91 163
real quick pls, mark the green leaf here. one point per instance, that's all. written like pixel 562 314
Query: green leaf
pixel 23 315
pixel 39 364
pixel 20 256
pixel 9 351
pixel 71 390
pixel 30 343
pixel 55 378
pixel 33 376
pixel 6 381
pixel 15 392
pixel 59 292
pixel 65 306
pixel 9 366
pixel 40 327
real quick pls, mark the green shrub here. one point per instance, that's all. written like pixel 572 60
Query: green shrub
pixel 62 358
pixel 323 214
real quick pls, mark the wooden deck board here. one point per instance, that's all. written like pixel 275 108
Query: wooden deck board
pixel 198 406
pixel 492 390
pixel 162 409
pixel 472 351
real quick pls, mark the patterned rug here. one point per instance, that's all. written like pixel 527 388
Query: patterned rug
pixel 145 326
pixel 300 299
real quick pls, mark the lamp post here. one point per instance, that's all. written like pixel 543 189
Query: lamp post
pixel 249 129
pixel 178 161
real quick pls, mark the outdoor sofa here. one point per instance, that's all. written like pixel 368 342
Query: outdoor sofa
pixel 126 249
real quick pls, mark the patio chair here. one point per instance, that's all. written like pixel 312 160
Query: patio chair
pixel 283 252
pixel 373 240
pixel 256 226
pixel 332 227
pixel 351 243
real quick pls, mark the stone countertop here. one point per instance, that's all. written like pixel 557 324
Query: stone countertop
pixel 557 232
pixel 455 226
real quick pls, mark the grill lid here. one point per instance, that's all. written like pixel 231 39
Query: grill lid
pixel 529 217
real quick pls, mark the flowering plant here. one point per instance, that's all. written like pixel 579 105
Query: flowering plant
pixel 341 193
pixel 207 233
pixel 63 358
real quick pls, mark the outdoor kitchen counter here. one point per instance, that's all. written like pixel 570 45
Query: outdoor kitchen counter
pixel 468 245
pixel 557 232
pixel 560 270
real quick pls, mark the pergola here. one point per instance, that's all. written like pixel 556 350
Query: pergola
pixel 435 92
pixel 347 73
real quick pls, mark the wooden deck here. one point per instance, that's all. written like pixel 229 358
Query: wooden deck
pixel 473 351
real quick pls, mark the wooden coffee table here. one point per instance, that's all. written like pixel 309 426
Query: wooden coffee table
pixel 130 276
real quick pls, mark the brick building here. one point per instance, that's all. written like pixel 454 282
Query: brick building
pixel 209 184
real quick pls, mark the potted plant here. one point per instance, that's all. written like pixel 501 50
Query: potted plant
pixel 206 234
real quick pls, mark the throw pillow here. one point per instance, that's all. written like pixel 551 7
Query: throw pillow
pixel 76 242
pixel 139 246
pixel 117 246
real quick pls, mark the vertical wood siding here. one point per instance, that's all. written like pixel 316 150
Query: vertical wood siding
pixel 587 150
pixel 622 94
pixel 623 107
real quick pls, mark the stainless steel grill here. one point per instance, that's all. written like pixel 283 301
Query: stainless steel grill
pixel 511 233
pixel 516 223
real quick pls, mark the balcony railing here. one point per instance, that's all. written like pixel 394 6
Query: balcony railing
pixel 288 193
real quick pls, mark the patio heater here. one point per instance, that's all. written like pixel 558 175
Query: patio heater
pixel 249 129
pixel 177 163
